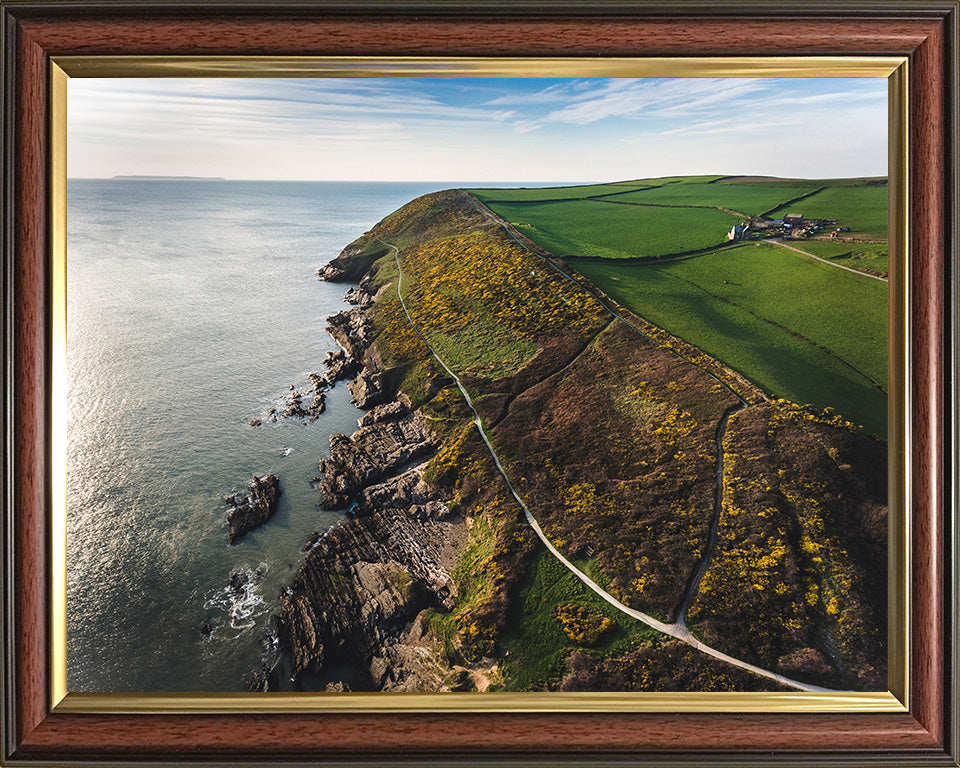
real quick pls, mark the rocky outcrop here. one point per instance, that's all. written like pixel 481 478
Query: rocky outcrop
pixel 353 331
pixel 353 261
pixel 253 510
pixel 360 296
pixel 373 453
pixel 395 410
pixel 339 366
pixel 406 491
pixel 360 585
pixel 306 404
pixel 366 389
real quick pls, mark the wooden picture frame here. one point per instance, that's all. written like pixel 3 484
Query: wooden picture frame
pixel 36 34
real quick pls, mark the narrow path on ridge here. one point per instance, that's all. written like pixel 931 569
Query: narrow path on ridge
pixel 678 631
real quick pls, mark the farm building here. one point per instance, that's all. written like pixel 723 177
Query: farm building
pixel 739 232
pixel 793 219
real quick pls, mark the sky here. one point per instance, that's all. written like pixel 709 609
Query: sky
pixel 478 130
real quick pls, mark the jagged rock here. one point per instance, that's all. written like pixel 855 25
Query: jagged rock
pixel 400 492
pixel 359 297
pixel 371 454
pixel 352 329
pixel 312 539
pixel 294 403
pixel 432 510
pixel 238 583
pixel 366 389
pixel 332 273
pixel 254 509
pixel 392 411
pixel 318 405
pixel 361 585
pixel 254 422
pixel 353 261
pixel 339 366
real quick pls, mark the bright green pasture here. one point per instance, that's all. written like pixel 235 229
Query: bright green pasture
pixel 773 181
pixel 743 198
pixel 855 255
pixel 863 209
pixel 799 329
pixel 534 194
pixel 609 230
pixel 531 194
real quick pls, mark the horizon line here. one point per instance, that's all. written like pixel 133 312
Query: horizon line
pixel 553 182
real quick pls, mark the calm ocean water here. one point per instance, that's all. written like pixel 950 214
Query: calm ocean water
pixel 192 306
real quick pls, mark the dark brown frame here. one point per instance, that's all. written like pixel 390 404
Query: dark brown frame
pixel 924 31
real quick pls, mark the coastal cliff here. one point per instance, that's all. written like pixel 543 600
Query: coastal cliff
pixel 619 439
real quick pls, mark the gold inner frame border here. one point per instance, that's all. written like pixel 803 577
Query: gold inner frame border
pixel 894 69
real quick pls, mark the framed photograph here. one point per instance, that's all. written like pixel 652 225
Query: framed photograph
pixel 632 441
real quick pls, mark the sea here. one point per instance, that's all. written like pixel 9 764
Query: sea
pixel 192 307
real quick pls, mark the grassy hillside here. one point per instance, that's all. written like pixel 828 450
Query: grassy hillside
pixel 607 429
pixel 610 230
pixel 533 194
pixel 794 553
pixel 828 349
pixel 744 198
pixel 862 208
pixel 870 257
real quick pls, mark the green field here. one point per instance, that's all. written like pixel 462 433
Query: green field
pixel 608 230
pixel 772 181
pixel 578 192
pixel 799 329
pixel 863 209
pixel 743 198
pixel 855 255
pixel 532 194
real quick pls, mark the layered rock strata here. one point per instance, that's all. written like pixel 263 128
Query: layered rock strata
pixel 357 591
pixel 357 599
pixel 253 510
pixel 391 437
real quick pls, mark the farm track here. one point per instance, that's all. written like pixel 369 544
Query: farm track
pixel 676 630
pixel 827 261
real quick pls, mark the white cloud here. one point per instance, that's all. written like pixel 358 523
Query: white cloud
pixel 652 98
pixel 572 130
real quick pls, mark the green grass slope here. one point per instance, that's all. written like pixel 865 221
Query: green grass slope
pixel 533 194
pixel 747 199
pixel 828 348
pixel 609 437
pixel 614 231
pixel 863 209
pixel 863 256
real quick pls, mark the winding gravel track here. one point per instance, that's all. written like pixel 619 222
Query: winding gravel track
pixel 678 630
